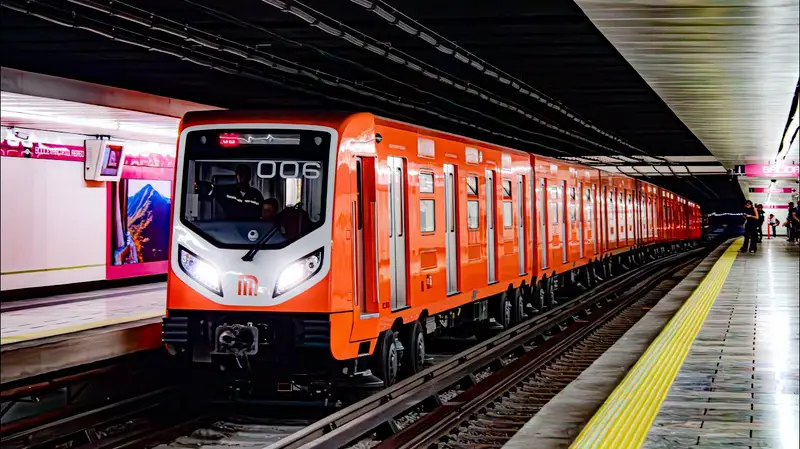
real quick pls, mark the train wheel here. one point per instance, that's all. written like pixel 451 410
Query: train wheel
pixel 518 306
pixel 414 352
pixel 550 292
pixel 586 277
pixel 502 310
pixel 386 362
pixel 540 295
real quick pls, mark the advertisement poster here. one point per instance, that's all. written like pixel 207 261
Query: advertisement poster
pixel 140 217
pixel 39 150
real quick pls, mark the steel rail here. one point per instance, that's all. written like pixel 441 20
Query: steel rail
pixel 364 416
pixel 439 422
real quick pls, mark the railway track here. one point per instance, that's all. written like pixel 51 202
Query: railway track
pixel 489 414
pixel 420 409
pixel 493 386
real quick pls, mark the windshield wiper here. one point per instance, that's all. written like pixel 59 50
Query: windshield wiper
pixel 257 245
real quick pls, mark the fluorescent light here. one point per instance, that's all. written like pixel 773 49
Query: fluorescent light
pixel 112 125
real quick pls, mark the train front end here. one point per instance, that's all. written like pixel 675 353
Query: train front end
pixel 249 285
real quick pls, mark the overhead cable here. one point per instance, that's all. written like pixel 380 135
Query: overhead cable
pixel 215 63
pixel 359 39
pixel 410 26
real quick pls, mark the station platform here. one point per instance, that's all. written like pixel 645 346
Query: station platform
pixel 43 335
pixel 714 364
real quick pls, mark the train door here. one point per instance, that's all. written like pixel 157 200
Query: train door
pixel 397 232
pixel 629 217
pixel 612 220
pixel 590 212
pixel 540 206
pixel 643 217
pixel 365 251
pixel 561 198
pixel 621 217
pixel 491 238
pixel 451 219
pixel 359 262
pixel 604 218
pixel 521 223
pixel 580 217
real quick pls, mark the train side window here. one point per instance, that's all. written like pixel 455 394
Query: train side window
pixel 425 182
pixel 427 216
pixel 473 215
pixel 472 185
pixel 587 205
pixel 506 188
pixel 554 206
pixel 508 214
pixel 573 206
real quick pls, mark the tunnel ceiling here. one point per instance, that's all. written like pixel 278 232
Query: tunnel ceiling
pixel 728 69
pixel 536 76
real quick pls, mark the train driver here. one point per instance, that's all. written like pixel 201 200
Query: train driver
pixel 239 201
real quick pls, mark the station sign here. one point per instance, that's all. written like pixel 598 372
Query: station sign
pixel 767 171
pixel 773 190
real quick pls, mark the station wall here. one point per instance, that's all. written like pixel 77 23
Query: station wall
pixel 56 228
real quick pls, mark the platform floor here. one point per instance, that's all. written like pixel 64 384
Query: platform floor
pixel 740 382
pixel 27 320
pixel 47 335
pixel 735 384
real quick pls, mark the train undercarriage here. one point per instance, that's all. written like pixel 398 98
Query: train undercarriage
pixel 289 354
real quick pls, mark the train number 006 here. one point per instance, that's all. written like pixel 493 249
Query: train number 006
pixel 289 169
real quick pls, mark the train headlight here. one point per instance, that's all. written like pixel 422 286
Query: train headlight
pixel 298 271
pixel 201 271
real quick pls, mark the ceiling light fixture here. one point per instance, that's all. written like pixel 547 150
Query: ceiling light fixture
pixel 112 125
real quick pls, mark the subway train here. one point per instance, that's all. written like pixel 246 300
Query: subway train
pixel 316 249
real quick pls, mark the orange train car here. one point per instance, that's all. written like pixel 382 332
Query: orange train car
pixel 319 247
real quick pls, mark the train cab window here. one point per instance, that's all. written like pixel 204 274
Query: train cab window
pixel 425 182
pixel 506 188
pixel 472 185
pixel 294 191
pixel 269 192
pixel 427 216
pixel 473 214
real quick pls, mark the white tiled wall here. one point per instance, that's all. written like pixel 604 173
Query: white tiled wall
pixel 50 219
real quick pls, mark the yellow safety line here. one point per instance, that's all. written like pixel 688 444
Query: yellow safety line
pixel 625 418
pixel 42 270
pixel 77 328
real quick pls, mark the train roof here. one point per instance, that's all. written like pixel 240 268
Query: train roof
pixel 336 119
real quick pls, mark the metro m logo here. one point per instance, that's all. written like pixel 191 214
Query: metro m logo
pixel 247 285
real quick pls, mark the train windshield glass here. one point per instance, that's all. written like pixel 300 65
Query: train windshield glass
pixel 246 186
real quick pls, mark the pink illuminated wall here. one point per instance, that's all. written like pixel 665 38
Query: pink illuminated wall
pixel 58 229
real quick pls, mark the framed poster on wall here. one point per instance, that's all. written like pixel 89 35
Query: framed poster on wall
pixel 140 207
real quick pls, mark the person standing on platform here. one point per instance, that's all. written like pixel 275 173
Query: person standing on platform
pixel 760 230
pixel 792 222
pixel 750 227
pixel 773 224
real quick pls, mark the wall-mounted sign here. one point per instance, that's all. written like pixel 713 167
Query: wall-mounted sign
pixel 769 171
pixel 104 160
pixel 773 190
